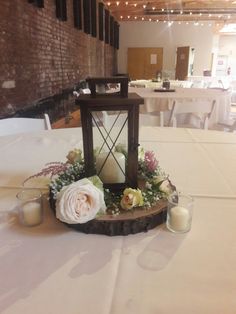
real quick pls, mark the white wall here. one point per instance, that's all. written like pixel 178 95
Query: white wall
pixel 227 46
pixel 153 34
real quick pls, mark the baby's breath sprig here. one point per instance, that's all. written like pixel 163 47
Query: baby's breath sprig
pixel 154 183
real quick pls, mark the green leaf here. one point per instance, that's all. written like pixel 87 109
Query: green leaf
pixel 97 182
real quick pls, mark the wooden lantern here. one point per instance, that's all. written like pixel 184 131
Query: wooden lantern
pixel 110 120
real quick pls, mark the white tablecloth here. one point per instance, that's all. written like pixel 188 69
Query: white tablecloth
pixel 163 101
pixel 212 81
pixel 151 84
pixel 52 269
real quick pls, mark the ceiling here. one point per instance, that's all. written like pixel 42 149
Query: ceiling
pixel 222 11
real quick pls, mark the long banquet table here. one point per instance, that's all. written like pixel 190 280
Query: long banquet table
pixel 53 269
pixel 163 101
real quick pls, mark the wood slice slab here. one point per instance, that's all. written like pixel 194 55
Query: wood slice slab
pixel 127 222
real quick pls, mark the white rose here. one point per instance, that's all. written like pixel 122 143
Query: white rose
pixel 79 202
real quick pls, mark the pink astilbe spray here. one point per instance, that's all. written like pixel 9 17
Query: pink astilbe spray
pixel 150 161
pixel 52 169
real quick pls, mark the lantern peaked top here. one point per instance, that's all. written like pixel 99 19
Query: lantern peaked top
pixel 93 82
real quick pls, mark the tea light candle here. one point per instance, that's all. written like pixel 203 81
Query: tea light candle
pixel 179 218
pixel 111 172
pixel 31 213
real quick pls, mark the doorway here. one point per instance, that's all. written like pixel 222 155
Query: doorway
pixel 144 63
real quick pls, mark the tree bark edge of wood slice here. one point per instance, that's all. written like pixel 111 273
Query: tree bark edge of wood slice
pixel 128 222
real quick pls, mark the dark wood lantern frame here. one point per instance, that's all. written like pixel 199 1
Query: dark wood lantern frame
pixel 111 102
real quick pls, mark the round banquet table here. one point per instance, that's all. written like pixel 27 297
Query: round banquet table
pixel 53 269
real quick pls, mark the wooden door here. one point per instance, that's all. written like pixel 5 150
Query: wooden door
pixel 182 63
pixel 144 63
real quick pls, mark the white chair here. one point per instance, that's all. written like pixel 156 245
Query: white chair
pixel 191 114
pixel 85 91
pixel 198 84
pixel 186 84
pixel 151 119
pixel 145 119
pixel 23 125
pixel 229 126
pixel 233 95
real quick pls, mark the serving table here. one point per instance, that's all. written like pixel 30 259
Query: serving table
pixel 53 269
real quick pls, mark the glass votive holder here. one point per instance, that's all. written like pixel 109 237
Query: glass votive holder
pixel 30 207
pixel 179 212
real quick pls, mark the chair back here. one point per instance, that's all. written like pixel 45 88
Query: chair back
pixel 23 125
pixel 186 84
pixel 145 119
pixel 232 128
pixel 201 110
pixel 198 84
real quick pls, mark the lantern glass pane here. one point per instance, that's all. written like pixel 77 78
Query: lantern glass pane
pixel 110 141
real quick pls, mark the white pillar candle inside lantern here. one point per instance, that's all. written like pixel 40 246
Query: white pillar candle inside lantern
pixel 111 171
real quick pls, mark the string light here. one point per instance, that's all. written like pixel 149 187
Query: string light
pixel 172 11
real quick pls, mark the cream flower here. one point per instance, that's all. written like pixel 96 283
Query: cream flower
pixel 166 187
pixel 131 198
pixel 79 202
pixel 74 156
pixel 158 179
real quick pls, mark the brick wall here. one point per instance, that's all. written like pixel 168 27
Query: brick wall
pixel 40 55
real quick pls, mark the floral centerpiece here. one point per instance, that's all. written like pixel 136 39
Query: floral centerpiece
pixel 78 200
